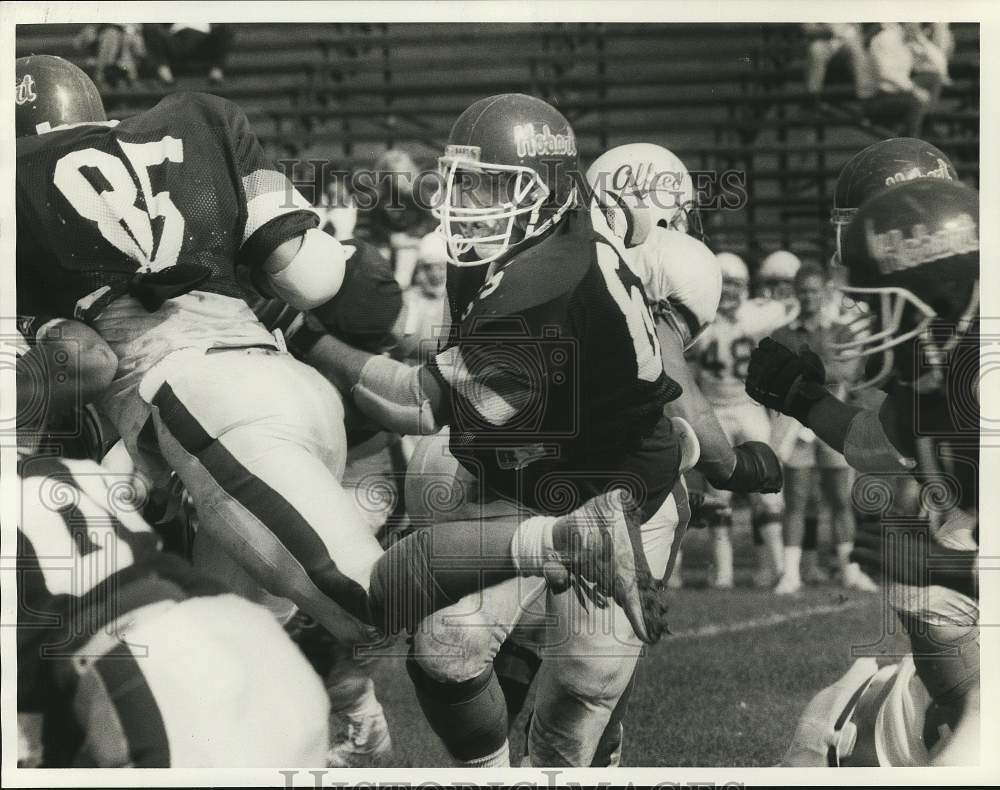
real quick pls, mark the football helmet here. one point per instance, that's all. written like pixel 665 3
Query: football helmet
pixel 912 254
pixel 776 277
pixel 640 186
pixel 508 175
pixel 735 281
pixel 52 92
pixel 881 165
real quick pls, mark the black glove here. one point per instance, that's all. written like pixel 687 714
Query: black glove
pixel 757 469
pixel 905 551
pixel 782 380
pixel 152 289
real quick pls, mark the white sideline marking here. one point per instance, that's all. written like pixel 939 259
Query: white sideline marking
pixel 769 620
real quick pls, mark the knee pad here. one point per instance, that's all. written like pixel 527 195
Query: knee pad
pixel 452 648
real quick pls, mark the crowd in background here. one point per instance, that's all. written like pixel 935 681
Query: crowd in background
pixel 897 69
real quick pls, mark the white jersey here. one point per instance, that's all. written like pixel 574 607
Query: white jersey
pixel 723 351
pixel 681 279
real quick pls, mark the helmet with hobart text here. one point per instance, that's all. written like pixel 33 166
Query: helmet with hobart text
pixel 52 92
pixel 508 173
pixel 912 254
pixel 735 282
pixel 776 276
pixel 879 166
pixel 640 186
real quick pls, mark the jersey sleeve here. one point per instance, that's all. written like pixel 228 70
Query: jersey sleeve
pixel 493 376
pixel 275 210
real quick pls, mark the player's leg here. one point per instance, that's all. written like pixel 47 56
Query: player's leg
pixel 590 655
pixel 261 462
pixel 798 481
pixel 836 484
pixel 452 669
pixel 766 508
pixel 812 573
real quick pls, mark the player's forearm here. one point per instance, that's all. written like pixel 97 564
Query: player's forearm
pixel 830 419
pixel 399 397
pixel 717 459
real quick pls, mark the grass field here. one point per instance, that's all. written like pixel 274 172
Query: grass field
pixel 726 689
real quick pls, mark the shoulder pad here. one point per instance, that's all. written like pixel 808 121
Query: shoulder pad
pixel 539 275
pixel 680 275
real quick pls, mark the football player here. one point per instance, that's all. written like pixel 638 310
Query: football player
pixel 721 355
pixel 127 656
pixel 133 658
pixel 649 198
pixel 165 207
pixel 553 388
pixel 776 275
pixel 912 252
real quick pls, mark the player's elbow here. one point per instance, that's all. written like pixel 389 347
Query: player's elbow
pixel 306 271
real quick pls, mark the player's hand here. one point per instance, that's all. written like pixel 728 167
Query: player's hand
pixel 757 470
pixel 782 380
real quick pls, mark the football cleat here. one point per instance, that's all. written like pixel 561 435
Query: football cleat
pixel 366 743
pixel 788 585
pixel 853 578
pixel 600 544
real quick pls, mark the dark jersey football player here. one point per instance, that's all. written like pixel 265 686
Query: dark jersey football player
pixel 552 386
pixel 138 228
pixel 912 253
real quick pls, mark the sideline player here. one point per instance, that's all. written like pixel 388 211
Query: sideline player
pixel 912 252
pixel 720 357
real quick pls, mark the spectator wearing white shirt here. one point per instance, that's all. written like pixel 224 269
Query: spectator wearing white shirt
pixel 893 61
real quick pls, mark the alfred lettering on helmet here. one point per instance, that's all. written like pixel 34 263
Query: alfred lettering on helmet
pixel 894 251
pixel 941 171
pixel 532 142
pixel 26 90
pixel 645 179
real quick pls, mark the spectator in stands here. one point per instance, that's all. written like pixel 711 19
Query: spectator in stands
pixel 932 46
pixel 837 49
pixel 803 452
pixel 400 218
pixel 114 52
pixel 898 100
pixel 336 205
pixel 187 47
pixel 424 303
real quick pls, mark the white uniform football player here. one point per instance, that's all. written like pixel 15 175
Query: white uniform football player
pixel 776 277
pixel 722 354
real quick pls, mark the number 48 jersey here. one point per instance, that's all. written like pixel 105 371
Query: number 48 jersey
pixel 722 353
pixel 185 182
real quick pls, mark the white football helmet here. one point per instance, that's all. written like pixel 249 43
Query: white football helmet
pixel 735 281
pixel 777 274
pixel 640 186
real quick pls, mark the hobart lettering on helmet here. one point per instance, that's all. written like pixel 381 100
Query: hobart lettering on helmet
pixel 26 90
pixel 943 170
pixel 542 143
pixel 893 250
